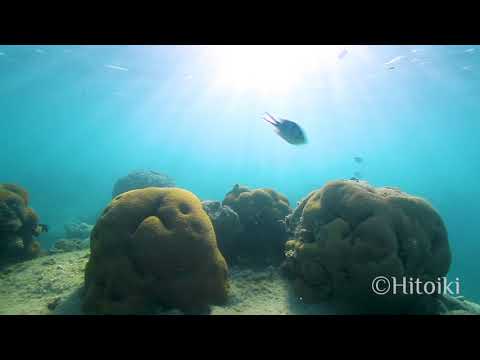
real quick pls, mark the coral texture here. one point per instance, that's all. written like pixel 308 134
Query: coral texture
pixel 154 246
pixel 348 233
pixel 262 215
pixel 18 224
pixel 141 180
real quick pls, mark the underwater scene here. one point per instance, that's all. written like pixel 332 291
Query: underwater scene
pixel 239 179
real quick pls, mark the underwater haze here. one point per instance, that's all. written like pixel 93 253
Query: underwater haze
pixel 74 119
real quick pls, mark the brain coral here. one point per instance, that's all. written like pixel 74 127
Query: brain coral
pixel 18 223
pixel 262 213
pixel 347 233
pixel 140 180
pixel 154 246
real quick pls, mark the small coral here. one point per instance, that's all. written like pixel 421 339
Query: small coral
pixel 33 249
pixel 17 190
pixel 348 233
pixel 141 180
pixel 262 215
pixel 154 246
pixel 12 210
pixel 77 230
pixel 226 223
pixel 18 224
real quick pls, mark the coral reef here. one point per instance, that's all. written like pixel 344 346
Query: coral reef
pixel 77 237
pixel 262 213
pixel 18 224
pixel 226 224
pixel 78 230
pixel 141 180
pixel 154 246
pixel 347 233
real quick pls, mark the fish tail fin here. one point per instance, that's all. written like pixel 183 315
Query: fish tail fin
pixel 270 119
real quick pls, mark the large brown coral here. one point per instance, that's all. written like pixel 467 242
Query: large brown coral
pixel 18 224
pixel 262 213
pixel 154 246
pixel 347 233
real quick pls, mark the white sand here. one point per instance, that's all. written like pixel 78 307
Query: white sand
pixel 28 288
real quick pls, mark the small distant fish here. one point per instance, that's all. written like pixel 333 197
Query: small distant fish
pixel 288 130
pixel 470 50
pixel 115 67
pixel 40 51
pixel 342 54
pixel 358 159
pixel 391 68
pixel 395 60
pixel 355 179
pixel 42 228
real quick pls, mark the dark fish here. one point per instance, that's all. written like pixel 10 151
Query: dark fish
pixel 43 228
pixel 358 159
pixel 391 68
pixel 355 179
pixel 288 130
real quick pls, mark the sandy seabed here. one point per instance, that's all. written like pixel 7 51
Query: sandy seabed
pixel 53 284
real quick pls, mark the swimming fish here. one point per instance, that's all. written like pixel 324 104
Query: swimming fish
pixel 40 228
pixel 288 130
pixel 358 159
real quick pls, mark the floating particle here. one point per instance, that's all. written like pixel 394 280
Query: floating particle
pixel 116 67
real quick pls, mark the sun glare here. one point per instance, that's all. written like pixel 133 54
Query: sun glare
pixel 269 68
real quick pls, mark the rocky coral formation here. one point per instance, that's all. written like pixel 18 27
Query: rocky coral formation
pixel 141 180
pixel 77 237
pixel 78 230
pixel 18 224
pixel 154 246
pixel 262 215
pixel 226 224
pixel 347 233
